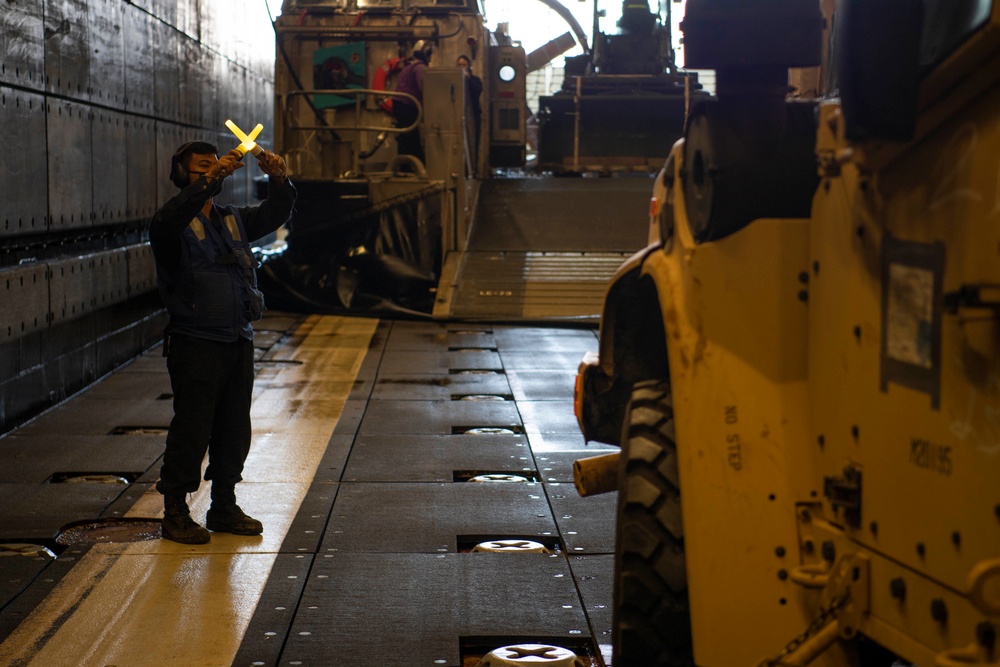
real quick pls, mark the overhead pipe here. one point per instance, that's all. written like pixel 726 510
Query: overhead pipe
pixel 574 25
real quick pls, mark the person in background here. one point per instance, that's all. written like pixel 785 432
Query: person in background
pixel 473 93
pixel 205 273
pixel 411 81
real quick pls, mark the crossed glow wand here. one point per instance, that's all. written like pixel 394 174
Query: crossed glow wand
pixel 247 143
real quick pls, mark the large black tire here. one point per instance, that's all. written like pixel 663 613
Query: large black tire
pixel 652 620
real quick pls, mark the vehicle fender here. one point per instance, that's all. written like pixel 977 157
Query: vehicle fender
pixel 632 349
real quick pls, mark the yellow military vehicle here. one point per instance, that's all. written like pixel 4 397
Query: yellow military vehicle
pixel 802 370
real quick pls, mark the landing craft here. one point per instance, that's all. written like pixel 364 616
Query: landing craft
pixel 511 212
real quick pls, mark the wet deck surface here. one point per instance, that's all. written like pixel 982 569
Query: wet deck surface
pixel 361 451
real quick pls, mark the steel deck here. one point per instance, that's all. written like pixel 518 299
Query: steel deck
pixel 357 470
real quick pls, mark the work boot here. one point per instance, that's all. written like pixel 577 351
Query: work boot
pixel 178 526
pixel 231 519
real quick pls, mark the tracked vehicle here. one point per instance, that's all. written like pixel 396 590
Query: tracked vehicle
pixel 802 368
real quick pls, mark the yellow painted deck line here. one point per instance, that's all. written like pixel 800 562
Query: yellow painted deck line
pixel 159 602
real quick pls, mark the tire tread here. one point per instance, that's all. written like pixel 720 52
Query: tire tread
pixel 652 626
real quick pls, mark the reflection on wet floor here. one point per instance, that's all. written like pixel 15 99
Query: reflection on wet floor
pixel 364 437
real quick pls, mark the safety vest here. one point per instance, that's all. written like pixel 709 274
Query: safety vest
pixel 215 295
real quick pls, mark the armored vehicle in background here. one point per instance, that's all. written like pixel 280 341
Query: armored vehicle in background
pixel 802 368
pixel 623 103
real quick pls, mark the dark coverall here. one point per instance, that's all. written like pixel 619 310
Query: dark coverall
pixel 205 272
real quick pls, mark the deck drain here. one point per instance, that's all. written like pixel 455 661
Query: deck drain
pixel 138 430
pixel 106 531
pixel 473 371
pixel 480 397
pixel 472 349
pixel 511 547
pixel 23 549
pixel 498 477
pixel 526 655
pixel 279 362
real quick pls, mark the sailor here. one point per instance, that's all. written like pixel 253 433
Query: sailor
pixel 205 273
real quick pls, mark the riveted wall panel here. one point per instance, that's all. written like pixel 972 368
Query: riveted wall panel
pixel 205 81
pixel 110 166
pixel 234 89
pixel 210 28
pixel 91 109
pixel 71 288
pixel 139 66
pixel 234 104
pixel 140 148
pixel 141 269
pixel 247 100
pixel 167 71
pixel 22 46
pixel 192 80
pixel 110 270
pixel 239 43
pixel 212 91
pixel 24 300
pixel 165 10
pixel 70 186
pixel 259 26
pixel 233 27
pixel 67 48
pixel 187 18
pixel 107 52
pixel 23 185
pixel 168 138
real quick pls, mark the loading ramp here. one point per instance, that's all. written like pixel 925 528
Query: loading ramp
pixel 544 248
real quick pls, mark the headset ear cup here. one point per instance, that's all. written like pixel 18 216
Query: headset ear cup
pixel 179 175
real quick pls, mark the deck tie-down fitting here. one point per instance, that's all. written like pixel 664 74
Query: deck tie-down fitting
pixel 28 550
pixel 113 530
pixel 512 546
pixel 498 477
pixel 96 478
pixel 530 655
pixel 488 430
